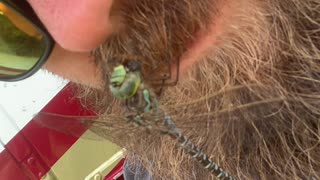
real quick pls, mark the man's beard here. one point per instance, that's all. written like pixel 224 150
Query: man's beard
pixel 263 76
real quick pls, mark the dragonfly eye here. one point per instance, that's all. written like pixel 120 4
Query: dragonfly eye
pixel 133 66
pixel 118 75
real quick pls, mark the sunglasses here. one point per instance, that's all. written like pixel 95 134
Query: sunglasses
pixel 24 42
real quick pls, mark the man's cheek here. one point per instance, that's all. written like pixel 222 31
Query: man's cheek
pixel 77 25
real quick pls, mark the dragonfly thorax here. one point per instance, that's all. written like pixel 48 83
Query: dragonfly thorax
pixel 142 102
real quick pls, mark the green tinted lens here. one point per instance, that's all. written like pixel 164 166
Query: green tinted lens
pixel 21 43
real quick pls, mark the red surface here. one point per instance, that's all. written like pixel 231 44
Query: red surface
pixel 9 168
pixel 31 153
pixel 52 144
pixel 36 148
pixel 116 170
pixel 24 154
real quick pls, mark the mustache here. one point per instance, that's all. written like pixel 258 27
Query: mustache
pixel 154 33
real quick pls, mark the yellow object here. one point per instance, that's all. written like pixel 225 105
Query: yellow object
pixel 86 160
pixel 19 21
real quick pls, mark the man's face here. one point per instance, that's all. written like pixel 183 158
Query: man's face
pixel 258 61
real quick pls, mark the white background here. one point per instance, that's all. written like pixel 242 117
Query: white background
pixel 20 101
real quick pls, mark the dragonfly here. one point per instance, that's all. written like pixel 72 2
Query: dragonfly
pixel 144 111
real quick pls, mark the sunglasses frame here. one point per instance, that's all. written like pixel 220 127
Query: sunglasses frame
pixel 24 10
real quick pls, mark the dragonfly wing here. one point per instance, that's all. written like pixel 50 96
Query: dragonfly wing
pixel 209 110
pixel 78 125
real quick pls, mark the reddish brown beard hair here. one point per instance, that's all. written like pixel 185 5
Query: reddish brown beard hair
pixel 269 128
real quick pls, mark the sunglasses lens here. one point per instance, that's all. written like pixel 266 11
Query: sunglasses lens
pixel 21 43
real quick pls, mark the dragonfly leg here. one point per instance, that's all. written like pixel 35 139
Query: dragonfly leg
pixel 146 97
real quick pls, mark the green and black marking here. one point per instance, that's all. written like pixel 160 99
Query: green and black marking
pixel 126 84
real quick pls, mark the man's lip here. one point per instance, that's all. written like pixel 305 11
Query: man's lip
pixel 205 41
pixel 203 44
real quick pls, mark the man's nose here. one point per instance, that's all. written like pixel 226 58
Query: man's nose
pixel 76 25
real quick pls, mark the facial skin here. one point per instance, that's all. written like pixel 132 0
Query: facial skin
pixel 78 27
pixel 65 22
pixel 257 60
